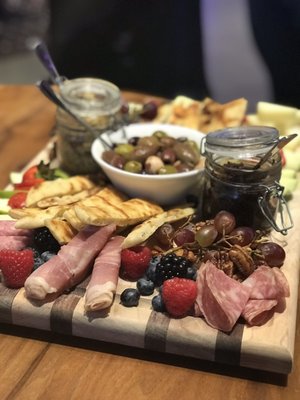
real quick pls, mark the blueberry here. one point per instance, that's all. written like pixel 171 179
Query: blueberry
pixel 158 304
pixel 38 261
pixel 145 287
pixel 47 255
pixel 151 270
pixel 191 273
pixel 130 297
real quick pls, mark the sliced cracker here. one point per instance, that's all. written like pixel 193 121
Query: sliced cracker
pixel 61 230
pixel 143 231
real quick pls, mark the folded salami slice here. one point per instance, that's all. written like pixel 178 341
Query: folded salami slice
pixel 267 283
pixel 223 298
pixel 258 312
pixel 103 284
pixel 70 265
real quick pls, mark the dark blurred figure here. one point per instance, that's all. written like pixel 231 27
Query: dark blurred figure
pixel 276 27
pixel 143 45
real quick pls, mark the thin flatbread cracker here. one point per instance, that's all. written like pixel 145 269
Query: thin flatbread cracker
pixel 36 217
pixel 58 187
pixel 61 230
pixel 143 231
pixel 67 199
pixel 126 213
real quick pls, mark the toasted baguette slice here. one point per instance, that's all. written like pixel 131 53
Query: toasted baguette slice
pixel 35 217
pixel 129 212
pixel 58 187
pixel 143 231
pixel 61 230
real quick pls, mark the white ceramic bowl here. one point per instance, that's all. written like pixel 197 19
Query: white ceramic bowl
pixel 164 189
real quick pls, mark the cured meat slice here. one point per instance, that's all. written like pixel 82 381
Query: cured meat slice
pixel 14 242
pixel 282 282
pixel 258 312
pixel 200 282
pixel 7 228
pixel 70 265
pixel 265 283
pixel 103 284
pixel 223 298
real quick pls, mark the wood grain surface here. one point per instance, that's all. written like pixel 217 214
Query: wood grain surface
pixel 37 364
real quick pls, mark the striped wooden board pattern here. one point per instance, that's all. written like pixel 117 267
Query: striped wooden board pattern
pixel 269 347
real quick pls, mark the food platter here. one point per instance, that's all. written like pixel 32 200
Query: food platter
pixel 269 347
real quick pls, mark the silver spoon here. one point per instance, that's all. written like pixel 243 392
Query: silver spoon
pixel 47 91
pixel 280 143
pixel 41 50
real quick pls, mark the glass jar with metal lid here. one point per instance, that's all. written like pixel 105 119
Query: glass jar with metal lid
pixel 233 182
pixel 97 102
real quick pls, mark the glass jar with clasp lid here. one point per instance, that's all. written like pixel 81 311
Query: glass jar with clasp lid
pixel 98 103
pixel 234 181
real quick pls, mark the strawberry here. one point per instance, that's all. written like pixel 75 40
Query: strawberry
pixel 17 200
pixel 135 261
pixel 179 295
pixel 16 266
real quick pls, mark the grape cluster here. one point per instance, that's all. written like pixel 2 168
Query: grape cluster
pixel 220 240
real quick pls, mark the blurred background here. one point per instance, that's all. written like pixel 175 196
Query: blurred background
pixel 222 49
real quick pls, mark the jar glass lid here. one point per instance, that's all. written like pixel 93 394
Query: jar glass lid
pixel 241 141
pixel 89 94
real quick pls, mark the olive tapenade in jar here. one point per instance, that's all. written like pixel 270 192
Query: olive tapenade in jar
pixel 232 182
pixel 98 103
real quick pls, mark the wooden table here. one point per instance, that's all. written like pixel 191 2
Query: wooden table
pixel 43 365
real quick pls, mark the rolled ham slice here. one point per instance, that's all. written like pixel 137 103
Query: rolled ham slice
pixel 102 287
pixel 223 298
pixel 70 265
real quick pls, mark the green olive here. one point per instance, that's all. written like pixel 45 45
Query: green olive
pixel 167 169
pixel 187 153
pixel 124 149
pixel 149 141
pixel 133 166
pixel 159 134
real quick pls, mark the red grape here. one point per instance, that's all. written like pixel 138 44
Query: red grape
pixel 242 236
pixel 224 222
pixel 184 236
pixel 164 234
pixel 273 253
pixel 149 110
pixel 206 235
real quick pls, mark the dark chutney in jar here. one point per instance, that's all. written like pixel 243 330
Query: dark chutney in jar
pixel 230 181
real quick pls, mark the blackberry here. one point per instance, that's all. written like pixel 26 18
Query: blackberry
pixel 44 241
pixel 171 266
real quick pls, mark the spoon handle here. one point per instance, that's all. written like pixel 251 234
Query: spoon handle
pixel 44 56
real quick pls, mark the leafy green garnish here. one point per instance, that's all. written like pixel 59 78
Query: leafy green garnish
pixel 50 174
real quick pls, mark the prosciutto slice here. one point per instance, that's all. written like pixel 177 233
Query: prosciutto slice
pixel 7 228
pixel 223 298
pixel 70 265
pixel 103 284
pixel 14 242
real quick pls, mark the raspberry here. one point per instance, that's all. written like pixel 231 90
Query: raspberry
pixel 179 295
pixel 171 266
pixel 16 266
pixel 135 261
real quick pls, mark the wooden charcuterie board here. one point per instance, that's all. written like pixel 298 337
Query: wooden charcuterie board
pixel 269 347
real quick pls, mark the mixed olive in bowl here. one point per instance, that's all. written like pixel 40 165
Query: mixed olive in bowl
pixel 159 162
